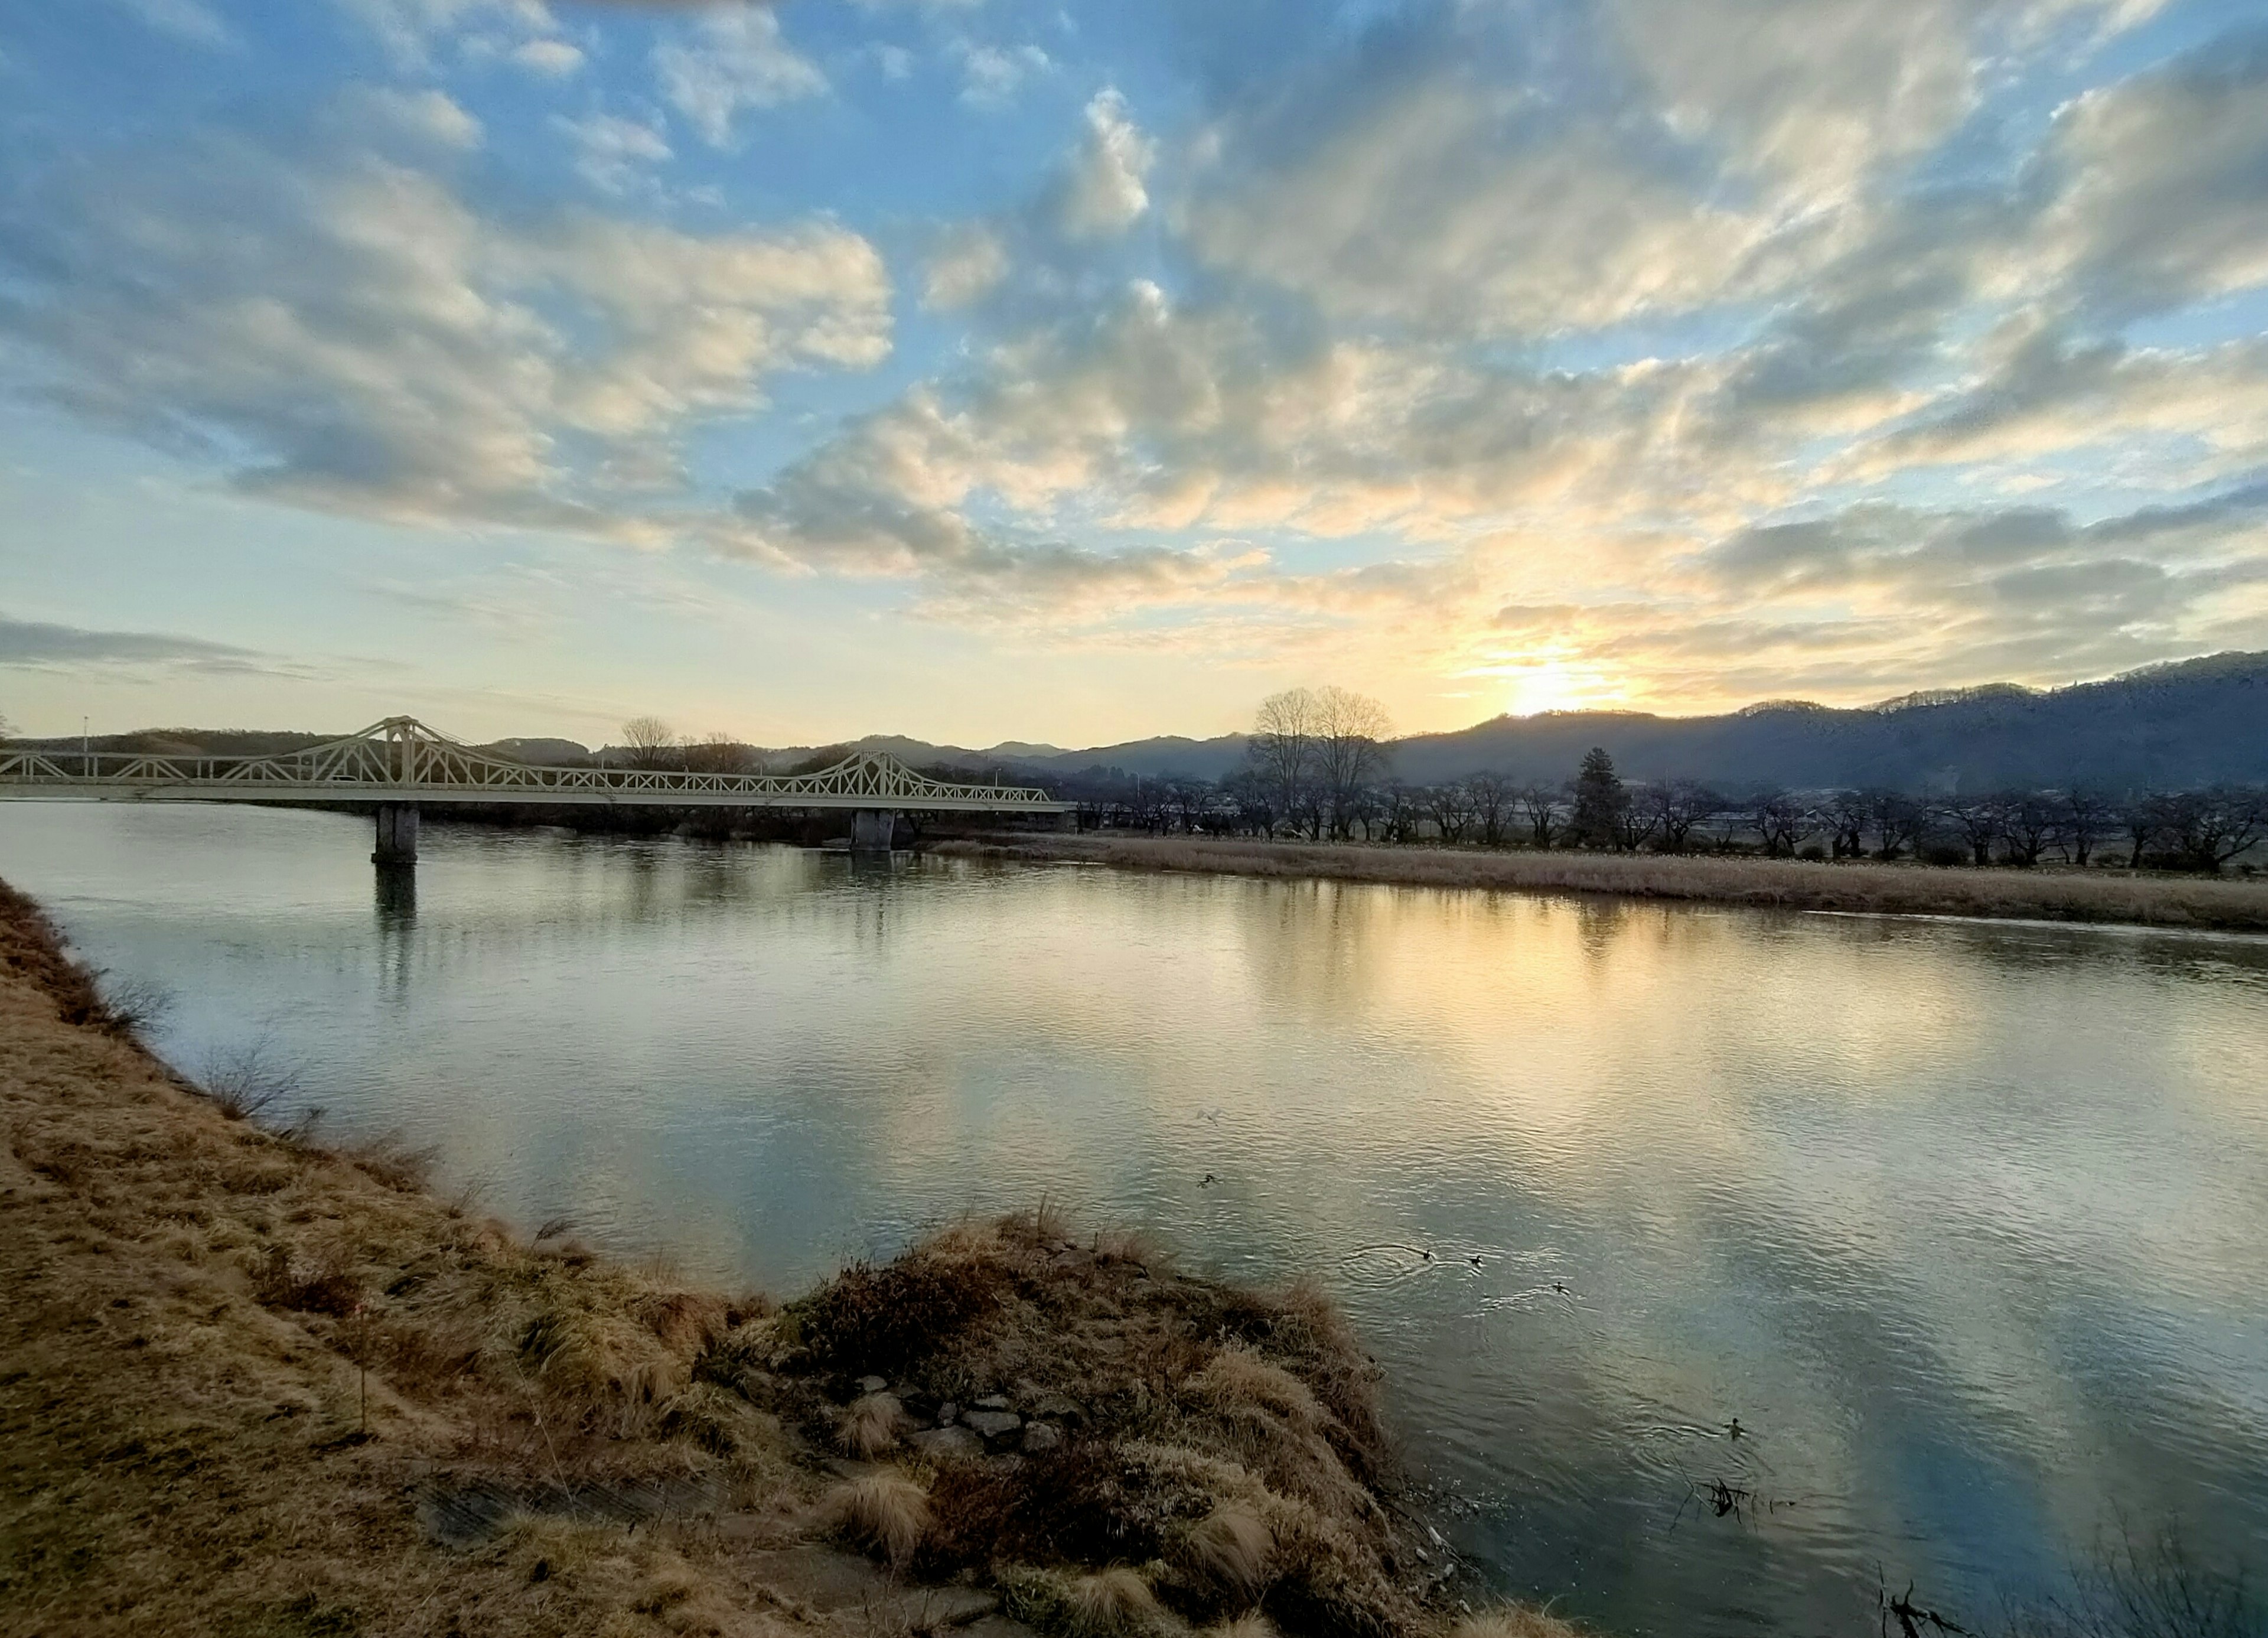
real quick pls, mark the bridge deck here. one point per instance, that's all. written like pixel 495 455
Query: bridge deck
pixel 401 761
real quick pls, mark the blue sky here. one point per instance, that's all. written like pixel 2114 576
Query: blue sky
pixel 980 370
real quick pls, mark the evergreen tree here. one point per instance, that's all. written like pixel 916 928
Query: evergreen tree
pixel 1600 801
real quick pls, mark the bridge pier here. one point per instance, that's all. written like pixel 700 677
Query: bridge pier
pixel 873 830
pixel 397 834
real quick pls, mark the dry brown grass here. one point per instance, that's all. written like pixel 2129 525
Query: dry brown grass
pixel 886 1514
pixel 1223 1448
pixel 871 1425
pixel 2218 903
pixel 233 1364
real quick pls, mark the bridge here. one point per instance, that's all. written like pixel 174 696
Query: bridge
pixel 402 766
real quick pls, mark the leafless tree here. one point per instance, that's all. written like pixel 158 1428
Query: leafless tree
pixel 2210 828
pixel 1544 809
pixel 1398 811
pixel 2089 817
pixel 1847 814
pixel 1492 795
pixel 1449 806
pixel 1351 733
pixel 1674 808
pixel 2027 824
pixel 1979 820
pixel 651 743
pixel 718 752
pixel 1896 820
pixel 1779 820
pixel 1283 749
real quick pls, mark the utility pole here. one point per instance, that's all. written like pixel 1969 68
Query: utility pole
pixel 85 749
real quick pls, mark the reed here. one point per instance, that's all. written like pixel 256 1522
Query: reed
pixel 1858 887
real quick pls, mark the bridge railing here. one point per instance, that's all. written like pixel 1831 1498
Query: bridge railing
pixel 402 759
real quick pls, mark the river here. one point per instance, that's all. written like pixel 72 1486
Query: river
pixel 1964 1225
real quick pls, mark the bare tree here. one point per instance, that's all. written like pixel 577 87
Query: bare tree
pixel 2211 827
pixel 2089 817
pixel 1896 819
pixel 718 752
pixel 1491 796
pixel 1675 808
pixel 651 743
pixel 1847 814
pixel 1544 809
pixel 1281 751
pixel 1351 733
pixel 1397 811
pixel 1980 821
pixel 1778 819
pixel 2028 823
pixel 1449 806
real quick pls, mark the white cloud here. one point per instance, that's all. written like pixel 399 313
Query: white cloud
pixel 969 262
pixel 990 75
pixel 427 117
pixel 611 151
pixel 352 334
pixel 554 57
pixel 737 58
pixel 1106 192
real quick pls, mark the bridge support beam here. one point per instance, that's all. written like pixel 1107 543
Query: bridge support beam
pixel 872 829
pixel 397 834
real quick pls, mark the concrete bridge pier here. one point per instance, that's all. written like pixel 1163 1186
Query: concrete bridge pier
pixel 397 834
pixel 872 829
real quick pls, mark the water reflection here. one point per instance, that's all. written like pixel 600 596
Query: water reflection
pixel 1960 1224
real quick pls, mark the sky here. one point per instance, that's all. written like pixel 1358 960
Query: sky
pixel 980 370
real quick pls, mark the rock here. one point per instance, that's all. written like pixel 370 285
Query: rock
pixel 946 1445
pixel 948 1413
pixel 993 1402
pixel 993 1425
pixel 1058 1407
pixel 872 1384
pixel 1040 1436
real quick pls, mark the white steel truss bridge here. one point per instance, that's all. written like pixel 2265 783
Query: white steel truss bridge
pixel 400 766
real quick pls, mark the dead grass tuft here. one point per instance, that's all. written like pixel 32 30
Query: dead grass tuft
pixel 1113 1603
pixel 1238 1379
pixel 307 1286
pixel 885 1514
pixel 1231 1553
pixel 871 1426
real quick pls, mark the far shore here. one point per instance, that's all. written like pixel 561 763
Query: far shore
pixel 2221 904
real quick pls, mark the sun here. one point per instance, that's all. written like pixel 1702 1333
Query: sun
pixel 1548 685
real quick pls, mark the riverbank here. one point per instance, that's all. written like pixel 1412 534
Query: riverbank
pixel 1855 887
pixel 250 1383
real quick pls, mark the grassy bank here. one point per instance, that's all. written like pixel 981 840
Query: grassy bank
pixel 2225 905
pixel 252 1384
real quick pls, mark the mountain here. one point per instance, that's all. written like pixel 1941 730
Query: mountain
pixel 2196 723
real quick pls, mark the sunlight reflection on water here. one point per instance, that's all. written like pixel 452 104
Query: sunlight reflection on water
pixel 1965 1224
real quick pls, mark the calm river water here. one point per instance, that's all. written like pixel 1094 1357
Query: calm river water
pixel 1966 1225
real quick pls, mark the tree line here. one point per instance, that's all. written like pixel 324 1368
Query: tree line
pixel 1318 767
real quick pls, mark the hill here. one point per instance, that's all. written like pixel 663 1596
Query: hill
pixel 2196 723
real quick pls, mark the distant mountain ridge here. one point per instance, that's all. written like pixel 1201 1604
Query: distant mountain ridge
pixel 2182 726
